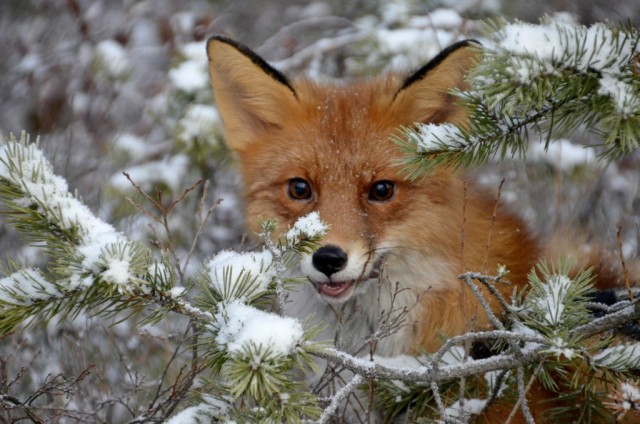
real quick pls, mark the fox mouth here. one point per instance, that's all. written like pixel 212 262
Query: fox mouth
pixel 335 289
pixel 340 290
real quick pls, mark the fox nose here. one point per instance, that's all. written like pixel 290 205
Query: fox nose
pixel 329 259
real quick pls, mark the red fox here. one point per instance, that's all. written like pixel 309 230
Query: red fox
pixel 393 244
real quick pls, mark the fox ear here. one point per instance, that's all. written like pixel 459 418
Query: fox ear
pixel 251 95
pixel 425 95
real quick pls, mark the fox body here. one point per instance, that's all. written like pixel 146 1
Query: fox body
pixel 385 281
pixel 393 245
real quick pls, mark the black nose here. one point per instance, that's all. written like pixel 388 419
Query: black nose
pixel 329 259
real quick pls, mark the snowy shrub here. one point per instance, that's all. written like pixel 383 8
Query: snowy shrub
pixel 227 354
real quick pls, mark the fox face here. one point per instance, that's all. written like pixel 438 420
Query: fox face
pixel 305 146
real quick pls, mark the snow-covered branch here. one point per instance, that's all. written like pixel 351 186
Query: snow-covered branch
pixel 551 79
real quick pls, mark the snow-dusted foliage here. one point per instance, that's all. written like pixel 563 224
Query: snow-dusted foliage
pixel 549 78
pixel 134 273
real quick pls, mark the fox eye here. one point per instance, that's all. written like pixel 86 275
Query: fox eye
pixel 382 191
pixel 299 189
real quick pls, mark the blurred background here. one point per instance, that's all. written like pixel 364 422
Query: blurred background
pixel 121 85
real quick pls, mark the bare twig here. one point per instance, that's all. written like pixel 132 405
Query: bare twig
pixel 625 272
pixel 493 222
pixel 202 221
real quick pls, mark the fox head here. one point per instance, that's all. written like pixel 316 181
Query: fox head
pixel 305 146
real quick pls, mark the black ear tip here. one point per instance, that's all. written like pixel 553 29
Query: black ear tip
pixel 251 55
pixel 440 57
pixel 226 40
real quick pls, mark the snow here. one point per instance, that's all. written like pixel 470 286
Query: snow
pixel 199 123
pixel 170 171
pixel 25 287
pixel 536 50
pixel 49 193
pixel 552 304
pixel 112 57
pixel 308 227
pixel 455 356
pixel 565 43
pixel 190 77
pixel 199 414
pixel 442 18
pixel 177 292
pixel 242 326
pixel 559 347
pixel 195 52
pixel 466 407
pixel 437 137
pixel 630 394
pixel 117 271
pixel 227 267
pixel 427 42
pixel 491 378
pixel 520 328
pixel 134 146
pixel 622 94
pixel 562 154
pixel 619 358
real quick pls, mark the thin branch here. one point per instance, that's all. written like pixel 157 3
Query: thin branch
pixel 496 203
pixel 201 221
pixel 625 272
pixel 342 394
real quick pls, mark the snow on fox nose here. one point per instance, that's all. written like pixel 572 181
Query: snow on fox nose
pixel 329 259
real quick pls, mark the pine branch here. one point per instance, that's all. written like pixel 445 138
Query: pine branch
pixel 576 76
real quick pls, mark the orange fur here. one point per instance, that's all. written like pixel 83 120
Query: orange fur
pixel 337 138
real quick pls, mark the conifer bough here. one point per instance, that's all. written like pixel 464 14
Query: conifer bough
pixel 547 79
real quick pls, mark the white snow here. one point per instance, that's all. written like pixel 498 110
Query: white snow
pixel 536 50
pixel 117 271
pixel 199 122
pixel 552 304
pixel 491 378
pixel 177 292
pixel 566 44
pixel 113 58
pixel 437 137
pixel 49 193
pixel 440 18
pixel 133 145
pixel 559 347
pixel 195 51
pixel 241 326
pixel 26 286
pixel 170 171
pixel 225 268
pixel 623 95
pixel 190 77
pixel 309 226
pixel 428 42
pixel 466 407
pixel 455 356
pixel 619 358
pixel 562 154
pixel 199 414
pixel 630 394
